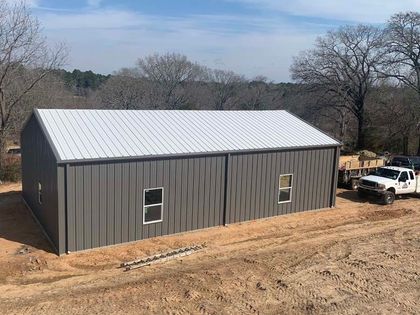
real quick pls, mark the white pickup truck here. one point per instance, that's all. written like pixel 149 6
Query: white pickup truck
pixel 389 181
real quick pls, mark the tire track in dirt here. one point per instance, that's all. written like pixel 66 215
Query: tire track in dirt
pixel 349 260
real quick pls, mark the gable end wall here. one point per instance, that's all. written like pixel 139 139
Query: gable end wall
pixel 40 165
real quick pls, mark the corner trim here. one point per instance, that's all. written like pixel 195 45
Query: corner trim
pixel 226 190
pixel 42 228
pixel 334 182
pixel 66 220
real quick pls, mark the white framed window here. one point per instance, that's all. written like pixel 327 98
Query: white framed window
pixel 285 188
pixel 40 193
pixel 153 205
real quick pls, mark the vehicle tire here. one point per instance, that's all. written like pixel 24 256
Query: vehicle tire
pixel 388 198
pixel 345 178
pixel 354 184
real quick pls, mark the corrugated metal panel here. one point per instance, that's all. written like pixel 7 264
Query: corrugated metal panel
pixel 254 182
pixel 107 134
pixel 105 201
pixel 39 165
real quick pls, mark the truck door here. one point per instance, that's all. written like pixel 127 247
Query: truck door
pixel 406 185
pixel 412 182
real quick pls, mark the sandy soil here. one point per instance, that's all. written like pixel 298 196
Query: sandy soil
pixel 357 258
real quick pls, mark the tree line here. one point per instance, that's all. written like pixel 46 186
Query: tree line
pixel 171 81
pixel 359 83
pixel 81 83
pixel 370 75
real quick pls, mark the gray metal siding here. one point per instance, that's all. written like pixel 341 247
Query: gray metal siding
pixel 254 182
pixel 105 201
pixel 39 165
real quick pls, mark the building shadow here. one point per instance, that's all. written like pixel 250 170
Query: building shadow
pixel 352 195
pixel 17 224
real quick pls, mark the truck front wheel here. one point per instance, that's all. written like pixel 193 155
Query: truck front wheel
pixel 388 198
pixel 354 184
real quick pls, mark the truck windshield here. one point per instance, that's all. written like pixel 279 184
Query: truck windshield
pixel 388 173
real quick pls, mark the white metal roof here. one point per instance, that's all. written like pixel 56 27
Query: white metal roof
pixel 110 134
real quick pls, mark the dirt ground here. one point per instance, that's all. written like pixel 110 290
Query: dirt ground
pixel 358 258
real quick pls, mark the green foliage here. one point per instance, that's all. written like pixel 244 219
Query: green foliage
pixel 81 81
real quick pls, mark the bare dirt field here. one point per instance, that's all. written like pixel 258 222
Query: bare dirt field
pixel 355 259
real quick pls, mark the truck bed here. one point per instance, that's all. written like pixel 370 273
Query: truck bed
pixel 418 184
pixel 356 164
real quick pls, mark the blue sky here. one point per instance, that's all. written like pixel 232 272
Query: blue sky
pixel 251 37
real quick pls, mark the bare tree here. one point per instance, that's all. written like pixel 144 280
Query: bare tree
pixel 343 65
pixel 47 93
pixel 403 54
pixel 224 86
pixel 123 90
pixel 259 94
pixel 169 74
pixel 393 116
pixel 25 60
pixel 340 116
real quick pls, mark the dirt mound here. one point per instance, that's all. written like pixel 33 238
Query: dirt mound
pixel 387 214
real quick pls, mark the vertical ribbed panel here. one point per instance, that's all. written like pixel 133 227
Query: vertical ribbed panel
pixel 40 165
pixel 105 201
pixel 254 182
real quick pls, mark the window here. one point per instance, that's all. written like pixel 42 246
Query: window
pixel 411 175
pixel 153 205
pixel 403 177
pixel 39 192
pixel 285 188
pixel 387 173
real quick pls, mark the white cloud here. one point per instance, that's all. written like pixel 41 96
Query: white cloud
pixel 29 3
pixel 94 3
pixel 106 40
pixel 366 11
pixel 99 19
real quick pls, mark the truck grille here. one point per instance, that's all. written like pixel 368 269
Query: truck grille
pixel 369 183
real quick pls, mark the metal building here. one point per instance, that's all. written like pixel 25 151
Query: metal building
pixel 100 177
